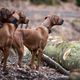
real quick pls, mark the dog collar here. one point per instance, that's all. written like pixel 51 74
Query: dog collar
pixel 1 24
pixel 14 21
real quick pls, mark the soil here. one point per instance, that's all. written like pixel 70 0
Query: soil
pixel 44 73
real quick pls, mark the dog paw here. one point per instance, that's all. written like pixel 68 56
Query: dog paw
pixel 32 66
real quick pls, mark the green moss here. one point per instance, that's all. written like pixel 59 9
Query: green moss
pixel 65 53
pixel 56 50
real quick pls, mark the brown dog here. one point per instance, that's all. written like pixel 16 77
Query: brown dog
pixel 6 34
pixel 5 14
pixel 35 39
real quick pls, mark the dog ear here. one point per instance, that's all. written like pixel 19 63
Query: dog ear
pixel 46 17
pixel 12 12
pixel 21 14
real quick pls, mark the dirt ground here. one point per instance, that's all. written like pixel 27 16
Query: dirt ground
pixel 44 73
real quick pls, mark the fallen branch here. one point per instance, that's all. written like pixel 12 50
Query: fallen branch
pixel 55 65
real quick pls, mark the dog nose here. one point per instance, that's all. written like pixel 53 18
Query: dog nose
pixel 61 21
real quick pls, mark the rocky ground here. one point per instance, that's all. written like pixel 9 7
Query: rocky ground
pixel 44 73
pixel 13 72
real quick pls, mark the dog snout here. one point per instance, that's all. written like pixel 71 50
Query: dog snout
pixel 61 22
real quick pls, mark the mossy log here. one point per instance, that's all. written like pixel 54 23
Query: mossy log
pixel 67 54
pixel 55 65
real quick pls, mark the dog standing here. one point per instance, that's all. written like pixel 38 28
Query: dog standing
pixel 35 39
pixel 6 34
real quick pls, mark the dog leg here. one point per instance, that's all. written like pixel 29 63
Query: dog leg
pixel 20 54
pixel 2 49
pixel 31 64
pixel 39 53
pixel 6 54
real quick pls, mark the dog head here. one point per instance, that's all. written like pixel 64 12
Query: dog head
pixel 5 14
pixel 23 18
pixel 55 20
pixel 52 20
pixel 19 18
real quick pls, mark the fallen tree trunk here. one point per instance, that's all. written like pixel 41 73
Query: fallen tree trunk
pixel 55 65
pixel 67 54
